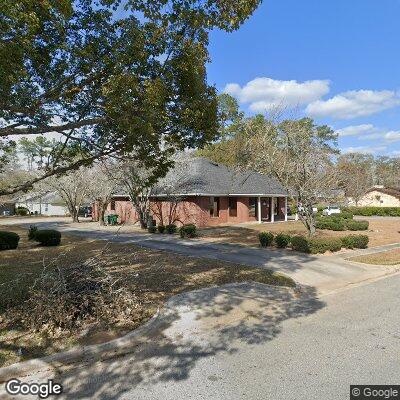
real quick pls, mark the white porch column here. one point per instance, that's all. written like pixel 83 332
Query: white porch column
pixel 285 209
pixel 259 209
pixel 272 209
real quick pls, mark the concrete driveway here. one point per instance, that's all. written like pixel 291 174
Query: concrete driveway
pixel 321 272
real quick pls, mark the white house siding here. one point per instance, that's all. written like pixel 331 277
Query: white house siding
pixel 376 198
pixel 45 209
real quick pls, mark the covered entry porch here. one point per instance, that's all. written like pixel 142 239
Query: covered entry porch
pixel 271 209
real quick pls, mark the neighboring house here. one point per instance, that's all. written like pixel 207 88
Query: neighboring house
pixel 49 204
pixel 7 207
pixel 207 194
pixel 379 196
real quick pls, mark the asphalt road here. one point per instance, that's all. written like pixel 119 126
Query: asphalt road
pixel 281 348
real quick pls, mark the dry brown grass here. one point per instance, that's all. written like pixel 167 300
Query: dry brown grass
pixel 381 232
pixel 390 257
pixel 153 276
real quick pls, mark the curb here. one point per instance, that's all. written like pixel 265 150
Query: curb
pixel 86 354
pixel 117 347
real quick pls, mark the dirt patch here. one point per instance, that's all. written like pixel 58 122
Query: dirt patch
pixel 380 232
pixel 390 257
pixel 154 276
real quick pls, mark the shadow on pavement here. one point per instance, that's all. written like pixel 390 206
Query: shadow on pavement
pixel 195 327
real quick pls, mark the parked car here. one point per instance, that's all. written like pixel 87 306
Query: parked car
pixel 85 212
pixel 331 210
pixel 300 209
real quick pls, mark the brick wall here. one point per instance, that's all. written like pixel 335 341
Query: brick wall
pixel 194 210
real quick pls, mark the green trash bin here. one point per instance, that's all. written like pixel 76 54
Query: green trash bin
pixel 112 219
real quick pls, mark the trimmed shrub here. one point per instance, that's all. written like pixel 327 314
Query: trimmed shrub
pixel 152 229
pixel 171 228
pixel 8 240
pixel 161 228
pixel 188 231
pixel 282 240
pixel 380 211
pixel 48 237
pixel 355 241
pixel 300 243
pixel 324 244
pixel 345 215
pixel 265 238
pixel 23 211
pixel 330 223
pixel 32 232
pixel 354 225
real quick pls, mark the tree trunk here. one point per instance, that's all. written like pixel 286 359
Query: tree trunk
pixel 102 213
pixel 75 216
pixel 73 212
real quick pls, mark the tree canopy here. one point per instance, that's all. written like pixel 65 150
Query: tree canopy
pixel 110 84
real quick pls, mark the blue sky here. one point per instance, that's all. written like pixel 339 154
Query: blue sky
pixel 337 61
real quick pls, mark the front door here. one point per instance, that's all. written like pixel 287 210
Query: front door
pixel 265 209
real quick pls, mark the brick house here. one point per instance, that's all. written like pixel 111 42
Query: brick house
pixel 208 194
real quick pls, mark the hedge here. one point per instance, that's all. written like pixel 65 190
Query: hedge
pixel 335 223
pixel 161 228
pixel 322 245
pixel 316 246
pixel 171 228
pixel 300 243
pixel 344 215
pixel 8 240
pixel 48 237
pixel 282 240
pixel 355 241
pixel 266 238
pixel 32 232
pixel 355 225
pixel 380 211
pixel 22 211
pixel 188 230
pixel 152 229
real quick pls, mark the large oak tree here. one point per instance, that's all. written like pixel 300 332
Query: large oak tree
pixel 106 83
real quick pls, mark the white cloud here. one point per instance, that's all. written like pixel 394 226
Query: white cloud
pixel 369 131
pixel 357 130
pixel 392 136
pixel 353 104
pixel 264 93
pixel 364 149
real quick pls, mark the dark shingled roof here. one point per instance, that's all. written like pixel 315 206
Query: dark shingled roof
pixel 200 176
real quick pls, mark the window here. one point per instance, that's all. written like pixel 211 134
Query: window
pixel 253 207
pixel 112 205
pixel 214 207
pixel 232 206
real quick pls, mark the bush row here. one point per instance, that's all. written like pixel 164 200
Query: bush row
pixel 341 224
pixel 46 237
pixel 380 211
pixel 163 229
pixel 188 231
pixel 8 240
pixel 281 240
pixel 321 245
